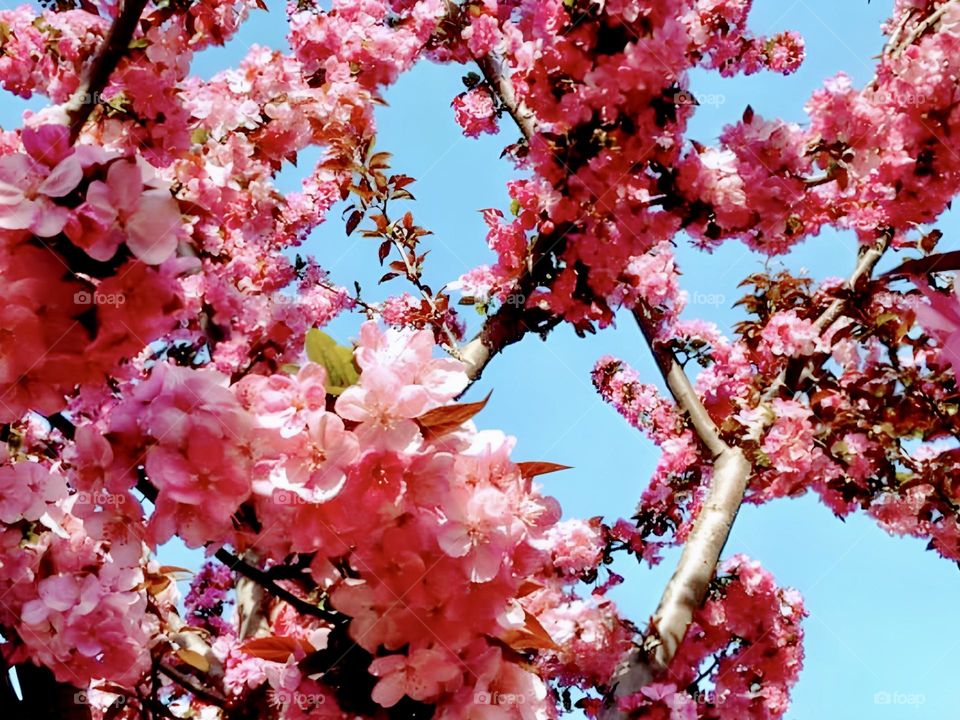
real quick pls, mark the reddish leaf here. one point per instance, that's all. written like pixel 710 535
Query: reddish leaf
pixel 941 262
pixel 532 469
pixel 355 217
pixel 532 636
pixel 384 250
pixel 276 648
pixel 444 419
pixel 527 587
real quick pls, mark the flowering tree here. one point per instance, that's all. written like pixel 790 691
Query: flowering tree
pixel 372 551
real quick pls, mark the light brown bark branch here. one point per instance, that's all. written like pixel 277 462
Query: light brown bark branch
pixel 491 339
pixel 687 588
pixel 922 27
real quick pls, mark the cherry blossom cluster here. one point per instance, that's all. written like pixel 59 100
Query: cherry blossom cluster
pixel 748 637
pixel 88 248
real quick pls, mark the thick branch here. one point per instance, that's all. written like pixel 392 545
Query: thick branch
pixel 86 97
pixel 505 326
pixel 499 82
pixel 687 588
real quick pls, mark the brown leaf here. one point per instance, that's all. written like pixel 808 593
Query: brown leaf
pixel 445 419
pixel 355 217
pixel 527 587
pixel 532 636
pixel 532 469
pixel 276 648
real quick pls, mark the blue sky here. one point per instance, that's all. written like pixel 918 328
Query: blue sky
pixel 883 623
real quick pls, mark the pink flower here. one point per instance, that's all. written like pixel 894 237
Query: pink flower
pixel 482 35
pixel 476 528
pixel 284 402
pixel 27 491
pixel 787 334
pixel 940 317
pixel 28 183
pixel 119 210
pixel 317 469
pixel 576 546
pixel 419 676
pixel 475 113
pixel 385 407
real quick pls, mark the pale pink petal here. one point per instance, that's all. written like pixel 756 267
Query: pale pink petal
pixel 63 178
pixel 155 227
pixel 390 689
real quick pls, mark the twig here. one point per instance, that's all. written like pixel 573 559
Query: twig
pixel 922 27
pixel 866 262
pixel 263 579
pixel 186 682
pixel 115 46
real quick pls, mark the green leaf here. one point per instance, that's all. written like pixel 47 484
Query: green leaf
pixel 337 359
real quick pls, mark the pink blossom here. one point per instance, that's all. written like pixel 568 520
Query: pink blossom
pixel 475 113
pixel 119 209
pixel 419 675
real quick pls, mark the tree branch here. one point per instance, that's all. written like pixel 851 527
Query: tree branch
pixel 505 326
pixel 263 579
pixel 922 27
pixel 115 46
pixel 866 262
pixel 187 683
pixel 687 588
pixel 500 83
